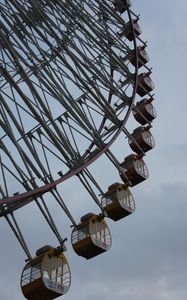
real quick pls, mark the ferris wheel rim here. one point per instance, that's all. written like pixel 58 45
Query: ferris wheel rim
pixel 24 197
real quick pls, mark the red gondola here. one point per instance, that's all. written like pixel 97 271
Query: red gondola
pixel 145 84
pixel 144 111
pixel 143 57
pixel 141 140
pixel 122 5
pixel 118 201
pixel 128 30
pixel 134 170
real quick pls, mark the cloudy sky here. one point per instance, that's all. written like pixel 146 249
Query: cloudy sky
pixel 148 256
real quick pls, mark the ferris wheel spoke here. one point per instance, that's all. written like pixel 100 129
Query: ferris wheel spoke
pixel 99 96
pixel 23 176
pixel 105 48
pixel 26 163
pixel 72 136
pixel 12 95
pixel 49 132
pixel 73 109
pixel 73 126
pixel 39 136
pixel 89 189
pixel 4 189
pixel 88 44
pixel 46 172
pixel 10 39
pixel 17 231
pixel 9 171
pixel 114 22
pixel 93 180
pixel 19 150
pixel 49 219
pixel 7 129
pixel 62 204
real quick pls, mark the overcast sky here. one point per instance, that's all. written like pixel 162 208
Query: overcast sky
pixel 148 256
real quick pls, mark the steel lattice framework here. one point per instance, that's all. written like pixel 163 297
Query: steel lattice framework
pixel 67 90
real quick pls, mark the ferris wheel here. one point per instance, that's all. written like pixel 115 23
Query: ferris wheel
pixel 71 75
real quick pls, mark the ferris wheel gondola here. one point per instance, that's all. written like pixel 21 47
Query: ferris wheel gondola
pixel 47 276
pixel 118 201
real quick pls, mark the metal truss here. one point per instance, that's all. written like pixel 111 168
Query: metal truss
pixel 66 92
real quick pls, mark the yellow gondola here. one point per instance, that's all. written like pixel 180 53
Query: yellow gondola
pixel 135 170
pixel 118 201
pixel 47 276
pixel 141 136
pixel 91 237
pixel 144 111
